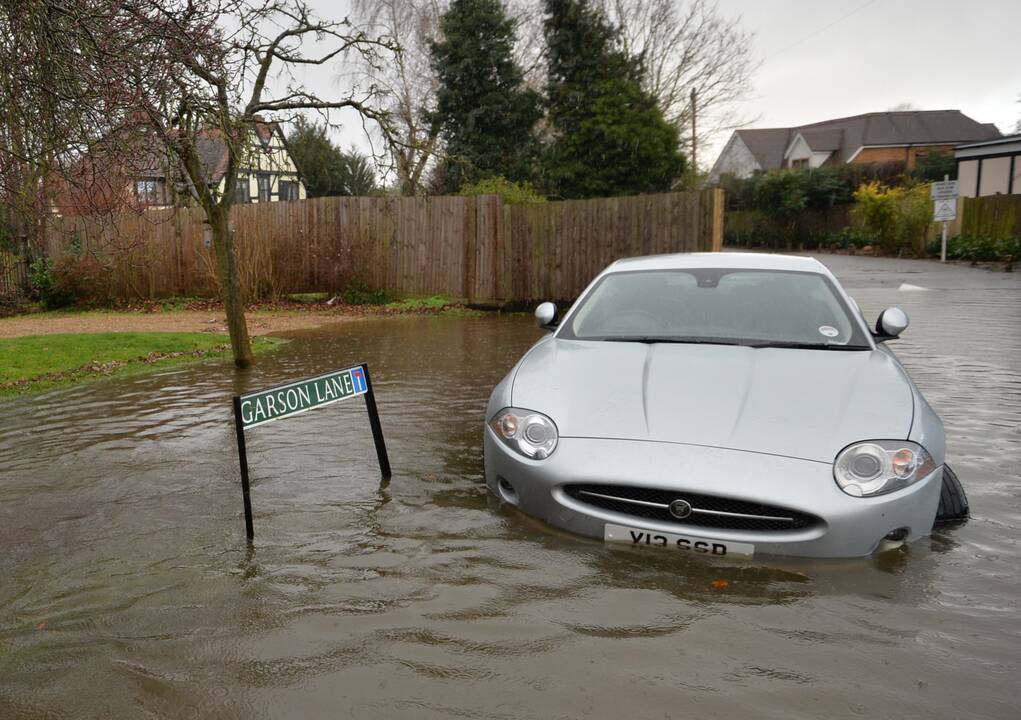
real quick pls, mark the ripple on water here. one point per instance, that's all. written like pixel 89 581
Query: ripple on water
pixel 123 554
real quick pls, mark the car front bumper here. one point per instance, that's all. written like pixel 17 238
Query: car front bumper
pixel 849 527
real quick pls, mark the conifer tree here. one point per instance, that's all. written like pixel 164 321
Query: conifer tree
pixel 609 136
pixel 486 114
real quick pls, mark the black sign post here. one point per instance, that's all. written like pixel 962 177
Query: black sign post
pixel 297 397
pixel 377 429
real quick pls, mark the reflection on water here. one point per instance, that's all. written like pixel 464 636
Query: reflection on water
pixel 126 589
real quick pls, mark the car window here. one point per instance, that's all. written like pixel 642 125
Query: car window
pixel 746 306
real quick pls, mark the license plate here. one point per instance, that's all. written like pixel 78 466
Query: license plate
pixel 651 538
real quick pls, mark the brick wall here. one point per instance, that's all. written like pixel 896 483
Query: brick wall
pixel 907 155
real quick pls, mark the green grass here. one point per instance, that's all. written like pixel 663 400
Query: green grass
pixel 419 304
pixel 439 304
pixel 39 362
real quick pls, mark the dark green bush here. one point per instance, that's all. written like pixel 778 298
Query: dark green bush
pixel 358 293
pixel 815 189
pixel 44 285
pixel 934 166
pixel 72 280
pixel 980 249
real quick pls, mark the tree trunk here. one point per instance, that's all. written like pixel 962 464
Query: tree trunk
pixel 230 283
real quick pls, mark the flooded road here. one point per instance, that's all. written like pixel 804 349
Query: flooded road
pixel 126 590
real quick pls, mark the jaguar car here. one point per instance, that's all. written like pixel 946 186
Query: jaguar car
pixel 728 404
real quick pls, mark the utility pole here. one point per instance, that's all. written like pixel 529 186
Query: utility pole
pixel 694 142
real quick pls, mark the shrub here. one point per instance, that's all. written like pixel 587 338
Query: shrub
pixel 43 283
pixel 980 249
pixel 72 280
pixel 934 166
pixel 510 192
pixel 821 188
pixel 358 293
pixel 894 218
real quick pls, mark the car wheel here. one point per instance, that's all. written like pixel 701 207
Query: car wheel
pixel 953 503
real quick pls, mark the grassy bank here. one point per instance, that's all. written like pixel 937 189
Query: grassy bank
pixel 39 362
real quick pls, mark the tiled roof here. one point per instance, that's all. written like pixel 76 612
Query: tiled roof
pixel 767 145
pixel 844 136
pixel 212 152
pixel 823 140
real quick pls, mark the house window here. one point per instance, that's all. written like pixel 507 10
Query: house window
pixel 151 191
pixel 264 188
pixel 288 190
pixel 799 163
pixel 241 191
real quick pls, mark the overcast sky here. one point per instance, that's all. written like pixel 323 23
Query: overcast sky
pixel 823 59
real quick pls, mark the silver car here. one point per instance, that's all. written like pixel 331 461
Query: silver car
pixel 728 404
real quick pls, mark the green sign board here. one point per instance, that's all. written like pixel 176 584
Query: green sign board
pixel 259 408
pixel 283 401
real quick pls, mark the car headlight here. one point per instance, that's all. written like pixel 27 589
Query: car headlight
pixel 877 467
pixel 525 431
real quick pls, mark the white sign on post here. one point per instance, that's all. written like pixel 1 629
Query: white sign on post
pixel 944 190
pixel 945 209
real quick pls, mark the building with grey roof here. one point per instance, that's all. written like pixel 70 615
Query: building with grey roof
pixel 896 136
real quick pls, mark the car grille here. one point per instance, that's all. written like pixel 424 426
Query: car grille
pixel 708 511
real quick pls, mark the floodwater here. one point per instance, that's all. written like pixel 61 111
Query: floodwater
pixel 126 590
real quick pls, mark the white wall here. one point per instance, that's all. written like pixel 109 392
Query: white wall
pixel 995 176
pixel 736 159
pixel 273 159
pixel 967 175
pixel 799 150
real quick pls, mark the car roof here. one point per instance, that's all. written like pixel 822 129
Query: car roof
pixel 738 260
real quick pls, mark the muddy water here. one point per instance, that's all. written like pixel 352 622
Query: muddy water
pixel 126 590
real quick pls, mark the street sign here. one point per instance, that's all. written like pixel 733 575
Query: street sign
pixel 943 190
pixel 266 406
pixel 945 209
pixel 294 398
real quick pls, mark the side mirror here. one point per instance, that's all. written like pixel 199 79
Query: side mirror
pixel 891 323
pixel 546 316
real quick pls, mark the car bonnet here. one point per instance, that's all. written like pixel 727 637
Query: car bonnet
pixel 798 403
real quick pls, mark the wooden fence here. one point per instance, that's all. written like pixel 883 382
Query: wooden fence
pixel 472 248
pixel 992 216
pixel 754 228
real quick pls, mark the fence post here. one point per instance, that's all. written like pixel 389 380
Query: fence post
pixel 470 222
pixel 717 219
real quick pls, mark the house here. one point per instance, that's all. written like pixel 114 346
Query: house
pixel 992 167
pixel 896 136
pixel 139 174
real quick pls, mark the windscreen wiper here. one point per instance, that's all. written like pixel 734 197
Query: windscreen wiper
pixel 651 339
pixel 804 346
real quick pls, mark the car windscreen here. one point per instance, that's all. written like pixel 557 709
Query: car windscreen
pixel 740 306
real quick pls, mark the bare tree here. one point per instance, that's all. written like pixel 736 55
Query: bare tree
pixel 408 84
pixel 111 80
pixel 412 138
pixel 685 48
pixel 60 95
pixel 221 64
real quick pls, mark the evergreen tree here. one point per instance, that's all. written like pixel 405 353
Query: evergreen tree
pixel 326 169
pixel 609 136
pixel 485 113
